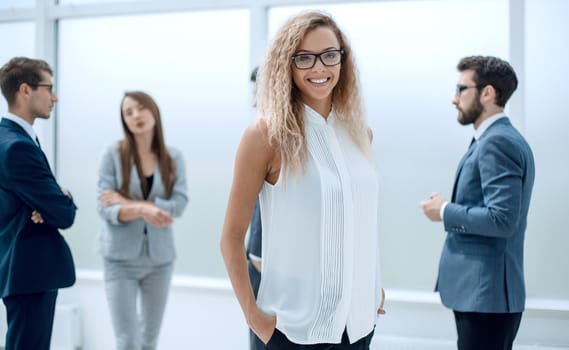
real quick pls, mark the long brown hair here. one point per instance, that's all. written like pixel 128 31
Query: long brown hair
pixel 278 98
pixel 129 152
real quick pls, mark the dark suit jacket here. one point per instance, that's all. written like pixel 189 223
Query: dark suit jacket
pixel 33 257
pixel 481 266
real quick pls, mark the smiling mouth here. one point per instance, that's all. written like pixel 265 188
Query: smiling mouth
pixel 319 81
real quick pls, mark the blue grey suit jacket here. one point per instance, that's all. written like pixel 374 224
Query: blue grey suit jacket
pixel 481 266
pixel 123 240
pixel 33 257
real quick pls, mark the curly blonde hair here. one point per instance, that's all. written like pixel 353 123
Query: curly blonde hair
pixel 278 99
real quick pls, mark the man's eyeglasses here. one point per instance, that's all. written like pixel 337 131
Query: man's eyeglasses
pixel 460 88
pixel 48 86
pixel 308 60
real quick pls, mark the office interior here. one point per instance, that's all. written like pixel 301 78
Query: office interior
pixel 195 57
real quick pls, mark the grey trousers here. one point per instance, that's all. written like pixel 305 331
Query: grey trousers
pixel 137 291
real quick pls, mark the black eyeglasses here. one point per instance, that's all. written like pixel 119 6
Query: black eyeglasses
pixel 308 60
pixel 460 88
pixel 48 86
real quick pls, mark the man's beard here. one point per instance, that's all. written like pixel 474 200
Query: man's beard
pixel 470 115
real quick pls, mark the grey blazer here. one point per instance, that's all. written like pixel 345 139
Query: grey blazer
pixel 123 240
pixel 481 267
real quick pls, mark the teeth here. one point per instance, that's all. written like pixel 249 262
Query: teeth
pixel 319 81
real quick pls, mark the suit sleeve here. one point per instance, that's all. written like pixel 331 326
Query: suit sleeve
pixel 501 167
pixel 107 181
pixel 31 179
pixel 177 202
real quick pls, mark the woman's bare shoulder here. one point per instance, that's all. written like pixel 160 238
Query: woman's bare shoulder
pixel 257 135
pixel 256 144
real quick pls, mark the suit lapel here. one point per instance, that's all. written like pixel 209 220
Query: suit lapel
pixel 471 148
pixel 45 159
pixel 473 145
pixel 43 154
pixel 136 182
pixel 156 182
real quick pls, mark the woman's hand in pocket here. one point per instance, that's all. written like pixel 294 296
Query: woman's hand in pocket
pixel 263 326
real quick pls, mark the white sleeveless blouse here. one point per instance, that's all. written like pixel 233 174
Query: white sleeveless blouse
pixel 320 271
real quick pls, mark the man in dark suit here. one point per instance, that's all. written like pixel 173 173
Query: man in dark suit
pixel 34 258
pixel 481 267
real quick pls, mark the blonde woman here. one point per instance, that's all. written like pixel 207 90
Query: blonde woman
pixel 142 187
pixel 308 159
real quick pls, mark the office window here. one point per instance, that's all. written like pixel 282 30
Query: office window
pixel 196 66
pixel 81 2
pixel 7 4
pixel 547 262
pixel 17 40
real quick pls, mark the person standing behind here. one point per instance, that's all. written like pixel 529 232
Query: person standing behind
pixel 481 267
pixel 309 160
pixel 35 260
pixel 254 252
pixel 141 187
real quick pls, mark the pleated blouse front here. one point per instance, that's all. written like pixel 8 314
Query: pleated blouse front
pixel 320 272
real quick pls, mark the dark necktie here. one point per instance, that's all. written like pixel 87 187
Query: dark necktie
pixel 472 143
pixel 38 142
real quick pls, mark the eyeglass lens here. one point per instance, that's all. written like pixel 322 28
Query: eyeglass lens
pixel 328 58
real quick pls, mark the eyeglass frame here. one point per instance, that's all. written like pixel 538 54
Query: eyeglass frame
pixel 460 88
pixel 318 56
pixel 48 86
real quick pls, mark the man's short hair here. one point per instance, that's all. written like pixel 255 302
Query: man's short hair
pixel 20 70
pixel 253 76
pixel 489 70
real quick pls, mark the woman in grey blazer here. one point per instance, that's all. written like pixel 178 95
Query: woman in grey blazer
pixel 141 188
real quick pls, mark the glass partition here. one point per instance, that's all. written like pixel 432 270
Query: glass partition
pixel 17 39
pixel 196 66
pixel 547 261
pixel 7 4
